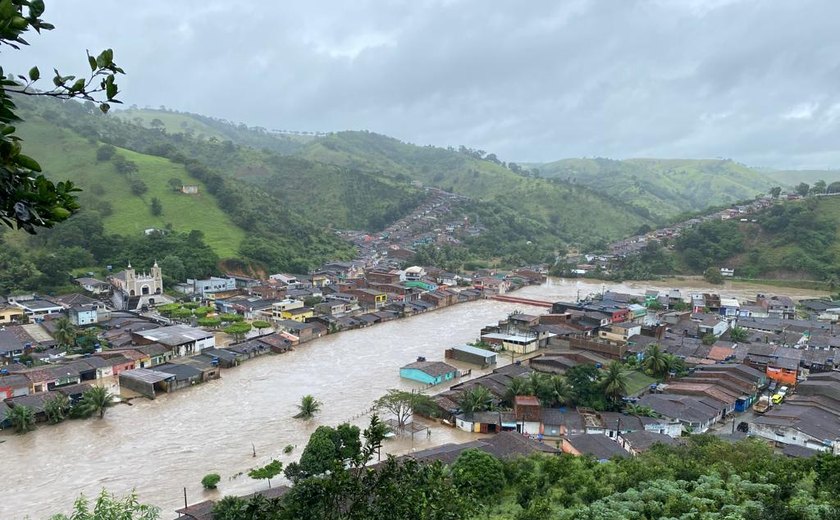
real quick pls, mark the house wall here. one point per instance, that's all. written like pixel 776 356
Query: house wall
pixel 529 427
pixel 462 424
pixel 674 429
pixel 417 375
pixel 787 435
pixel 782 375
pixel 84 317
pixel 136 385
pixel 10 315
pixel 521 349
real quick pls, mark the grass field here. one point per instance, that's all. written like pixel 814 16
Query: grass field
pixel 173 122
pixel 66 155
pixel 637 381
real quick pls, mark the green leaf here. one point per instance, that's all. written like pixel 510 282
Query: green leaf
pixel 92 62
pixel 28 162
pixel 34 74
pixel 111 90
pixel 78 85
pixel 36 8
pixel 104 107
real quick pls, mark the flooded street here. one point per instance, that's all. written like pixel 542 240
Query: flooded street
pixel 158 447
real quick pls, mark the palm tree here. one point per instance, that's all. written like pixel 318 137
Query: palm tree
pixel 517 386
pixel 308 407
pixel 614 381
pixel 674 364
pixel 560 389
pixel 22 418
pixel 476 399
pixel 640 411
pixel 65 332
pixel 56 408
pixel 738 334
pixel 96 400
pixel 654 361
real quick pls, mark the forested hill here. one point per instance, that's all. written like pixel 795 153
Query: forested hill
pixel 665 187
pixel 131 179
pixel 792 240
pixel 575 214
pixel 272 201
pixel 275 205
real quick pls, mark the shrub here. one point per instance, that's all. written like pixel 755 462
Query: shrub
pixel 211 480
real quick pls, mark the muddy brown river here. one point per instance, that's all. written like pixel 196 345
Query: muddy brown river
pixel 159 447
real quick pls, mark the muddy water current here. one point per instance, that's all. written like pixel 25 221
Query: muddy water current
pixel 159 447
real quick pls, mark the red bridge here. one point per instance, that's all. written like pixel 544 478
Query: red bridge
pixel 521 301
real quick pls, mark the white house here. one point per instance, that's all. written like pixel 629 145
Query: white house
pixel 184 340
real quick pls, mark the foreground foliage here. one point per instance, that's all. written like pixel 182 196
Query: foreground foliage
pixel 707 478
pixel 28 200
pixel 111 507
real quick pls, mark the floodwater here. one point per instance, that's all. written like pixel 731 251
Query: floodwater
pixel 159 447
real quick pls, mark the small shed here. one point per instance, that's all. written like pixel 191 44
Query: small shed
pixel 470 354
pixel 429 372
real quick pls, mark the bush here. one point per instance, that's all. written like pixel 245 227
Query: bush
pixel 288 449
pixel 211 480
pixel 138 187
pixel 105 152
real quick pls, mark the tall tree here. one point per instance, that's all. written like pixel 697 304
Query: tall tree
pixel 476 399
pixel 28 200
pixel 402 405
pixel 267 472
pixel 65 332
pixel 654 361
pixel 614 381
pixel 803 188
pixel 517 386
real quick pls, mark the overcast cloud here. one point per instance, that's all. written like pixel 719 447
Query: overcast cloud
pixel 753 80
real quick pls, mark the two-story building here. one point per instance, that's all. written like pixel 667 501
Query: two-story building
pixel 369 298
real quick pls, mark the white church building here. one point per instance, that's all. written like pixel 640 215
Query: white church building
pixel 132 290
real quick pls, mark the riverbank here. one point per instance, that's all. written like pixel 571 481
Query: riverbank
pixel 564 288
pixel 160 446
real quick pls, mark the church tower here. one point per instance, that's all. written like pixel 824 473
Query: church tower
pixel 157 277
pixel 130 277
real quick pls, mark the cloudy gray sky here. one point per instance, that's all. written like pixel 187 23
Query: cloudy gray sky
pixel 757 81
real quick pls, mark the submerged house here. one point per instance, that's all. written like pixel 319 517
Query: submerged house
pixel 471 354
pixel 429 372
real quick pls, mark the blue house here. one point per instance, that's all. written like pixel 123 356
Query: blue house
pixel 429 372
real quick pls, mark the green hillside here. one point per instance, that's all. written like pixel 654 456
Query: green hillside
pixel 131 189
pixel 208 128
pixel 665 187
pixel 794 177
pixel 573 214
pixel 65 155
pixel 795 240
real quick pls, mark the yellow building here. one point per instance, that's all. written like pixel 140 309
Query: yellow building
pixel 300 314
pixel 10 314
